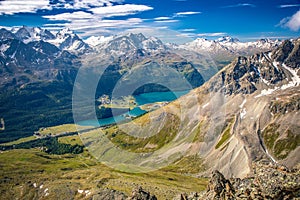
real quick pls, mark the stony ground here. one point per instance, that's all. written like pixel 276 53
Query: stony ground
pixel 268 181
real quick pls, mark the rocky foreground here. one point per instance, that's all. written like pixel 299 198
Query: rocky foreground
pixel 137 194
pixel 267 181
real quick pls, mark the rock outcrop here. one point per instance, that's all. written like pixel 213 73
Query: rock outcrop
pixel 140 194
pixel 268 181
pixel 137 194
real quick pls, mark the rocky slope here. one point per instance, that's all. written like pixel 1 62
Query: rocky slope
pixel 251 86
pixel 267 181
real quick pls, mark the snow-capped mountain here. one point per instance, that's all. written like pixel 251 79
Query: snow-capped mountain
pixel 66 39
pixel 6 34
pixel 229 45
pixel 227 39
pixel 124 44
pixel 27 34
pixel 94 41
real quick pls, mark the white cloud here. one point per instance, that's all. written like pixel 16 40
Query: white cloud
pixel 289 5
pixel 186 35
pixel 167 21
pixel 107 24
pixel 219 34
pixel 120 10
pixel 70 16
pixel 93 21
pixel 11 7
pixel 162 18
pixel 292 22
pixel 95 27
pixel 240 5
pixel 91 3
pixel 188 30
pixel 186 13
pixel 85 4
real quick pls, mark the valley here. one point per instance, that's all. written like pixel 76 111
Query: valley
pixel 87 120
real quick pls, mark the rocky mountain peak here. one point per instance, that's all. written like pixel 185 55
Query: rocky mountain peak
pixel 131 42
pixel 227 39
pixel 139 37
pixel 5 34
pixel 276 69
pixel 66 39
pixel 28 34
pixel 288 53
pixel 66 32
pixel 229 47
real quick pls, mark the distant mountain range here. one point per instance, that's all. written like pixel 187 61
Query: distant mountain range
pixel 229 46
pixel 66 39
pixel 35 48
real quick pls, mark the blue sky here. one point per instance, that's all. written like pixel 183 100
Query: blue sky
pixel 166 19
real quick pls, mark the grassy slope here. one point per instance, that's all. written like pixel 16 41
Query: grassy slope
pixel 64 175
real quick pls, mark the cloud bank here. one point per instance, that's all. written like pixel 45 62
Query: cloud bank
pixel 10 7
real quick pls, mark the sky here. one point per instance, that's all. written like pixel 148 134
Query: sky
pixel 170 20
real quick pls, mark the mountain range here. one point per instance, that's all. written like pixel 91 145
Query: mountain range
pixel 242 109
pixel 229 45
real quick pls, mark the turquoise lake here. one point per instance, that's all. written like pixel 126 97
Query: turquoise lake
pixel 141 99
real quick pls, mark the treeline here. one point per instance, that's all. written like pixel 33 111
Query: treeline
pixel 37 105
pixel 49 145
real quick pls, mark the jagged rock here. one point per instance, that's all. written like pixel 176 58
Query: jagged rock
pixel 192 196
pixel 267 182
pixel 220 187
pixel 137 194
pixel 109 194
pixel 140 194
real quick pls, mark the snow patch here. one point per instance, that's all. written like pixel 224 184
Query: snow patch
pixel 275 64
pixel 204 106
pixel 243 113
pixel 86 192
pixel 293 83
pixel 266 92
pixel 270 156
pixel 295 77
pixel 242 105
pixel 4 47
pixel 265 81
pixel 94 41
